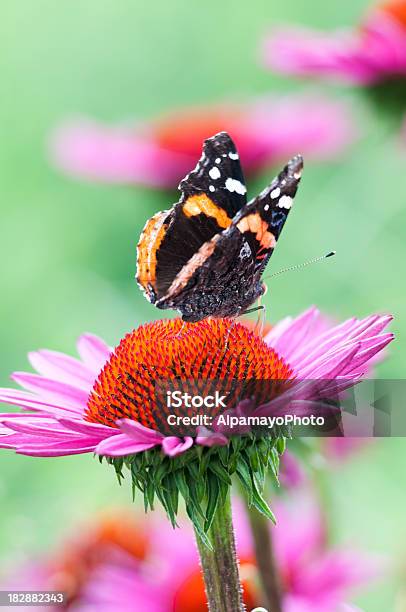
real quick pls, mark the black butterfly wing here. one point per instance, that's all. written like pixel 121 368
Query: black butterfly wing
pixel 262 220
pixel 219 175
pixel 212 194
pixel 222 278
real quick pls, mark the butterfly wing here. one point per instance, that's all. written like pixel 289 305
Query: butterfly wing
pixel 212 194
pixel 222 278
pixel 262 219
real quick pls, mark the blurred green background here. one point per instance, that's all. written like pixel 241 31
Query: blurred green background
pixel 67 249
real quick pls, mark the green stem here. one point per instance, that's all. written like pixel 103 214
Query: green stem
pixel 268 574
pixel 220 565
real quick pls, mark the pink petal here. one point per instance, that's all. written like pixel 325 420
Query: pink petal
pixel 93 351
pixel 335 572
pixel 297 538
pixel 368 349
pixel 291 473
pixel 371 54
pixel 63 368
pixel 206 437
pixel 31 402
pixel 49 389
pixel 138 432
pixel 332 366
pixel 321 345
pixel 43 428
pixel 173 446
pixel 117 154
pixel 96 429
pixel 37 447
pixel 276 124
pixel 118 446
pixel 295 333
pixel 295 603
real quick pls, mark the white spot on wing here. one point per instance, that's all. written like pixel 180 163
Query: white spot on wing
pixel 245 251
pixel 214 173
pixel 217 160
pixel 235 185
pixel 212 188
pixel 285 202
pixel 233 155
pixel 266 207
pixel 275 193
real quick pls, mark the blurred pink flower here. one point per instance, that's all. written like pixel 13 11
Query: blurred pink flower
pixel 158 153
pixel 78 406
pixel 291 472
pixel 334 450
pixel 339 449
pixel 112 534
pixel 370 54
pixel 313 577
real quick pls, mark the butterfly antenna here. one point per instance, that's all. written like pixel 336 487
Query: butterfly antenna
pixel 301 265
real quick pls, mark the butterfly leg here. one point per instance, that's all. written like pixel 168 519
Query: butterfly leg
pixel 181 330
pixel 260 324
pixel 233 321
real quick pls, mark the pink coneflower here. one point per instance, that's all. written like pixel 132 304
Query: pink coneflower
pixel 68 568
pixel 103 402
pixel 374 53
pixel 159 152
pixel 106 403
pixel 123 563
pixel 313 577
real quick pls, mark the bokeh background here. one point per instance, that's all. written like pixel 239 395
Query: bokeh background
pixel 67 248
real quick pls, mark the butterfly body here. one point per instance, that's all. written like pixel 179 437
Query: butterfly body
pixel 206 255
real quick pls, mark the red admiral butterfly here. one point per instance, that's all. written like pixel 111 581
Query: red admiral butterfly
pixel 206 255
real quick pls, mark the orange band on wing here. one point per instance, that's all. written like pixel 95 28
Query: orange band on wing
pixel 150 241
pixel 194 263
pixel 255 224
pixel 201 204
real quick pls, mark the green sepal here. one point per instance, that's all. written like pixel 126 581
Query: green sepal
pixel 216 467
pixel 213 495
pixel 202 477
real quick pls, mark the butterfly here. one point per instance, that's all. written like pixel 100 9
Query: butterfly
pixel 205 256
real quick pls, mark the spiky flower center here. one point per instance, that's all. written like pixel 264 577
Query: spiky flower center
pixel 172 351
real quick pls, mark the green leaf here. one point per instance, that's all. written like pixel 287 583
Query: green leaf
pixel 223 453
pixel 244 474
pixel 196 523
pixel 217 468
pixel 180 482
pixel 260 504
pixel 150 493
pixel 236 443
pixel 224 489
pixel 194 498
pixel 281 445
pixel 205 460
pixel 252 454
pixel 213 492
pixel 161 471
